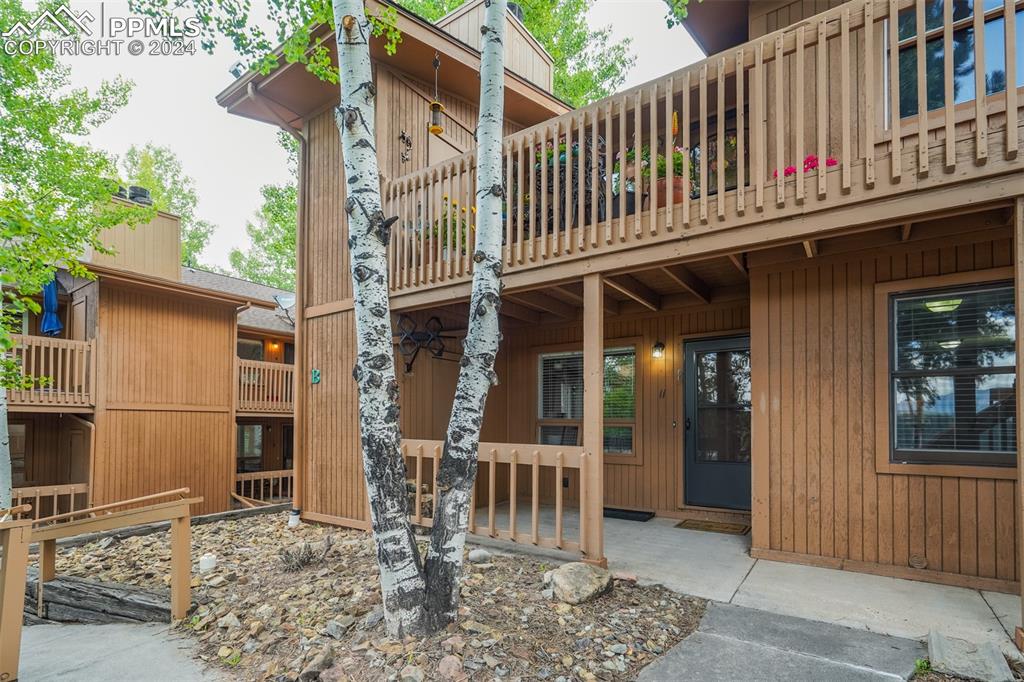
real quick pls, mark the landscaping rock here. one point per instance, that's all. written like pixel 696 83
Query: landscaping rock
pixel 577 582
pixel 229 621
pixel 411 673
pixel 321 662
pixel 479 556
pixel 325 622
pixel 450 668
pixel 959 657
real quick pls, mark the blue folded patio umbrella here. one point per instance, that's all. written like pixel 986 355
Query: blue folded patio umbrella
pixel 50 325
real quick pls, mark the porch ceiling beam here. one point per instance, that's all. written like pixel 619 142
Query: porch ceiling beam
pixel 545 303
pixel 628 285
pixel 519 312
pixel 905 231
pixel 682 276
pixel 740 261
pixel 611 306
pixel 811 247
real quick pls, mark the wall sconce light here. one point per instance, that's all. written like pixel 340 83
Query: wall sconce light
pixel 658 351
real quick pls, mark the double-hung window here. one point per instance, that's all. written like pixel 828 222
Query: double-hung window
pixel 560 399
pixel 952 361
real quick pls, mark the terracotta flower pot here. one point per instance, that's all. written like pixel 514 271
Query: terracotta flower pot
pixel 677 191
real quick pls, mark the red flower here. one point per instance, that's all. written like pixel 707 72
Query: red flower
pixel 831 162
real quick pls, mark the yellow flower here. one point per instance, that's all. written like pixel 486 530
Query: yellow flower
pixel 474 209
pixel 445 197
pixel 463 209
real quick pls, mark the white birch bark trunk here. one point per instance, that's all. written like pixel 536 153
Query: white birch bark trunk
pixel 6 472
pixel 401 573
pixel 457 472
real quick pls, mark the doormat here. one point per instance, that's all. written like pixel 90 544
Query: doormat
pixel 715 526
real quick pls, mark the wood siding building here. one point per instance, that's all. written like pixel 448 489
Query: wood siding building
pixel 807 320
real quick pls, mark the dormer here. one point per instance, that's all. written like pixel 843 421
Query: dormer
pixel 523 54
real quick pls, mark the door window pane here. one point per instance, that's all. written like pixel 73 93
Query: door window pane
pixel 618 440
pixel 620 384
pixel 723 406
pixel 250 448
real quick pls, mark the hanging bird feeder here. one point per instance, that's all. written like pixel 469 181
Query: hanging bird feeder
pixel 436 108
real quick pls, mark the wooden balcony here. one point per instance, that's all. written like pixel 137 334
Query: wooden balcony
pixel 265 388
pixel 63 375
pixel 800 118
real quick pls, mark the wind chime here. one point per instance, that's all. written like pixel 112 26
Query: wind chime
pixel 436 108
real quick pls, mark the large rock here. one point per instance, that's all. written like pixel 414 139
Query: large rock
pixel 577 582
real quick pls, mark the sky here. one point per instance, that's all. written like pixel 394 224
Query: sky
pixel 230 158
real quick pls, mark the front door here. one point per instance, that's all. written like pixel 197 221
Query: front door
pixel 717 434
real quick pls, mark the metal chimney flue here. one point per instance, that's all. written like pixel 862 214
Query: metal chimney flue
pixel 140 195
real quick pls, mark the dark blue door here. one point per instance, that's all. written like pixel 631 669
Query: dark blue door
pixel 717 434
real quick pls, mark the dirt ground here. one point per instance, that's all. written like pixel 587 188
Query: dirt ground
pixel 261 621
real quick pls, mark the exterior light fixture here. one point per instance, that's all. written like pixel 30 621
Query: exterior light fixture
pixel 658 351
pixel 436 108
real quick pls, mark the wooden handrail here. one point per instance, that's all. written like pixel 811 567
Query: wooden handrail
pixel 112 505
pixel 68 368
pixel 265 386
pixel 15 510
pixel 555 460
pixel 786 124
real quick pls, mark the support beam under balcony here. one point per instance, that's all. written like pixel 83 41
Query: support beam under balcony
pixel 682 276
pixel 544 303
pixel 628 285
pixel 519 312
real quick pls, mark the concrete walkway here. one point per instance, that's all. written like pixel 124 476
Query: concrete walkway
pixel 108 652
pixel 718 567
pixel 734 643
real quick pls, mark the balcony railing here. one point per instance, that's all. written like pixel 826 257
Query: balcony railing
pixel 63 372
pixel 265 387
pixel 264 487
pixel 50 500
pixel 797 121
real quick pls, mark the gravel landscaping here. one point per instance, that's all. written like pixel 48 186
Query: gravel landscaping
pixel 259 620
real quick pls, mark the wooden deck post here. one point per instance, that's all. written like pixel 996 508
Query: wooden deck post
pixel 1018 280
pixel 14 539
pixel 181 565
pixel 592 505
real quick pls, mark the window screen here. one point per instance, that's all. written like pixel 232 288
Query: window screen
pixel 952 381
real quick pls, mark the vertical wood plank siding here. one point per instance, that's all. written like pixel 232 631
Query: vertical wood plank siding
pixel 825 498
pixel 164 418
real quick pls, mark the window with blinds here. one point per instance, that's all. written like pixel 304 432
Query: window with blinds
pixel 952 362
pixel 560 400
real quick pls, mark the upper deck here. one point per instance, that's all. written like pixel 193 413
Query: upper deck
pixel 787 137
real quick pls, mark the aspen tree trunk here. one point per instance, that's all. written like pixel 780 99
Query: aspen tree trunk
pixel 457 471
pixel 6 473
pixel 401 574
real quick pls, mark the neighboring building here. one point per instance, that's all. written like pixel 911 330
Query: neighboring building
pixel 813 332
pixel 145 391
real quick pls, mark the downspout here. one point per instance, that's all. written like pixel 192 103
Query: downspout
pixel 233 431
pixel 298 415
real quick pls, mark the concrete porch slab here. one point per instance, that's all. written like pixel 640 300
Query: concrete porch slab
pixel 892 606
pixel 708 565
